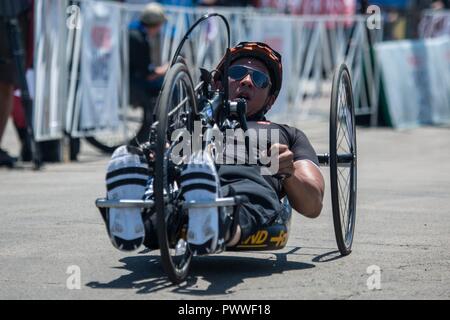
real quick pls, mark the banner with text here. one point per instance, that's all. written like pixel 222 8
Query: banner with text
pixel 101 74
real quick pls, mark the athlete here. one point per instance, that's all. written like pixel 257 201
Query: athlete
pixel 255 74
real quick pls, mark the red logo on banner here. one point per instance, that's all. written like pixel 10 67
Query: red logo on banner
pixel 101 37
pixel 415 61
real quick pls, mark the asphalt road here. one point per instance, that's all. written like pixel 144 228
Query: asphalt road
pixel 49 223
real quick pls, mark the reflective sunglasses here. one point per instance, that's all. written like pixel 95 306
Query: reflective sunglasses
pixel 238 72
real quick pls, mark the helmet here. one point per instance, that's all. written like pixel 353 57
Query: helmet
pixel 153 15
pixel 260 51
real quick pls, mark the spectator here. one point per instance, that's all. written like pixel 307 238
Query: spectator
pixel 6 95
pixel 146 72
pixel 8 73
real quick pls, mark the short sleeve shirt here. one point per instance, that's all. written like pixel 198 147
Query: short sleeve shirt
pixel 294 138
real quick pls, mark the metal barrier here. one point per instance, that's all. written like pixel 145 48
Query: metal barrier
pixel 311 47
pixel 50 69
pixel 434 24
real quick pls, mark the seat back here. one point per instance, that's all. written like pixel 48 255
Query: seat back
pixel 273 237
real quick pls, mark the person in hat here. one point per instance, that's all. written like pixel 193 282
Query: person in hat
pixel 145 67
pixel 255 74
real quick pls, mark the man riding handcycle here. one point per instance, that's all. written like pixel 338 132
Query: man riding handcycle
pixel 213 200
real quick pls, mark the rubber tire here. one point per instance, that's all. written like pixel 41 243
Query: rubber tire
pixel 345 249
pixel 176 276
pixel 141 135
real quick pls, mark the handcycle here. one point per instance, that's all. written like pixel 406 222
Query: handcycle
pixel 180 104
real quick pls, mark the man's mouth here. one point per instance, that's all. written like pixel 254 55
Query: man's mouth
pixel 243 95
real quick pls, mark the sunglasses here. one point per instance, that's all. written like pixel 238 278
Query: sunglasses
pixel 238 72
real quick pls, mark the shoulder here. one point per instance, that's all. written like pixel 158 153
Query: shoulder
pixel 136 35
pixel 292 132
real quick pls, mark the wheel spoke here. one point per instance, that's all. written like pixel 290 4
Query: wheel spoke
pixel 338 135
pixel 178 107
pixel 345 131
pixel 346 187
pixel 341 139
pixel 344 202
pixel 347 180
pixel 342 114
pixel 345 192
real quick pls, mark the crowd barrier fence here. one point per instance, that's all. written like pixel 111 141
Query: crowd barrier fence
pixel 82 62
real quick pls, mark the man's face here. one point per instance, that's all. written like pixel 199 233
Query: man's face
pixel 153 31
pixel 256 97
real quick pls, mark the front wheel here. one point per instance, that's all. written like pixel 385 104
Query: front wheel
pixel 136 129
pixel 176 109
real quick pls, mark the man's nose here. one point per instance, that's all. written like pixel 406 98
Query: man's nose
pixel 247 80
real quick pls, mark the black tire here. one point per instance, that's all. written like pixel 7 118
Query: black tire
pixel 343 158
pixel 140 122
pixel 169 215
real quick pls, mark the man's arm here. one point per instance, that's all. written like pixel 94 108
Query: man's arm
pixel 305 186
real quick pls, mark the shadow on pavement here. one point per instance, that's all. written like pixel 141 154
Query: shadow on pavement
pixel 327 257
pixel 222 272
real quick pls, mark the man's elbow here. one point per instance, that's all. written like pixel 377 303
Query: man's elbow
pixel 313 207
pixel 312 210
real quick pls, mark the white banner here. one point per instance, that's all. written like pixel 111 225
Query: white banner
pixel 49 87
pixel 416 81
pixel 101 74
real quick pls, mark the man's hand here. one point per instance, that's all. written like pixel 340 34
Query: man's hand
pixel 284 157
pixel 159 72
pixel 304 185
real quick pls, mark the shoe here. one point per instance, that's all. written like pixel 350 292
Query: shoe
pixel 6 159
pixel 126 178
pixel 200 182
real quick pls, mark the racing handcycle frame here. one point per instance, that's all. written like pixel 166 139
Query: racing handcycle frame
pixel 180 103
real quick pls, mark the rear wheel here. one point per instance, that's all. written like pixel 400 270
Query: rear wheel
pixel 176 109
pixel 136 128
pixel 343 159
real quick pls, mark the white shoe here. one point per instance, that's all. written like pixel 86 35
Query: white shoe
pixel 200 182
pixel 127 175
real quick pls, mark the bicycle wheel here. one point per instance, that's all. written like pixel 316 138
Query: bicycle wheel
pixel 136 126
pixel 343 159
pixel 176 109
